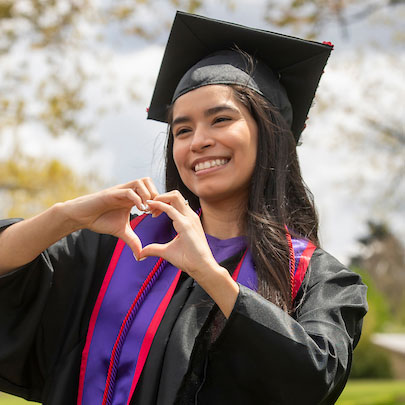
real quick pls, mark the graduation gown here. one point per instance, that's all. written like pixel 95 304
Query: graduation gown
pixel 260 355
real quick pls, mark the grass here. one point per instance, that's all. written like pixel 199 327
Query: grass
pixel 6 399
pixel 373 392
pixel 357 392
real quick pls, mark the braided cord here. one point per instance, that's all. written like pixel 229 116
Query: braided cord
pixel 291 264
pixel 126 326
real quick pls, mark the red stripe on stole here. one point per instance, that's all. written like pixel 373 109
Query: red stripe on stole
pixel 150 334
pixel 302 266
pixel 107 278
pixel 237 270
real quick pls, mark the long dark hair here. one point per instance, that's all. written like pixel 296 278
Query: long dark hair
pixel 278 197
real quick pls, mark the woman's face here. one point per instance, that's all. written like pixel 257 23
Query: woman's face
pixel 215 143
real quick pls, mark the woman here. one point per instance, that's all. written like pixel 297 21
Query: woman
pixel 83 322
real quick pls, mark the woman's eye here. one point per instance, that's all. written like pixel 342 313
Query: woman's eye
pixel 181 131
pixel 221 119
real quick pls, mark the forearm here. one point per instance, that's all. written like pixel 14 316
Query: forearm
pixel 24 241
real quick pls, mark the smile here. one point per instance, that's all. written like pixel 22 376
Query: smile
pixel 210 163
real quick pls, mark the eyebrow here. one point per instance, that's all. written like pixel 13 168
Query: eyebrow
pixel 207 113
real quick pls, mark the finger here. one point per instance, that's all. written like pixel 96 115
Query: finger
pixel 155 213
pixel 143 192
pixel 157 250
pixel 145 185
pixel 154 249
pixel 123 198
pixel 175 199
pixel 151 187
pixel 170 210
pixel 132 240
pixel 145 188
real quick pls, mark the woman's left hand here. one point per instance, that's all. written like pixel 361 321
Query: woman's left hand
pixel 189 250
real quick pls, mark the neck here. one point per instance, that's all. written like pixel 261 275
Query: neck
pixel 223 220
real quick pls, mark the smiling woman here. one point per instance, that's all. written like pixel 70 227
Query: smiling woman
pixel 214 147
pixel 220 292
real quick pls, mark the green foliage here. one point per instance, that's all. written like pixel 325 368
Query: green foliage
pixel 373 392
pixel 62 104
pixel 29 186
pixel 368 360
pixel 378 316
pixel 5 9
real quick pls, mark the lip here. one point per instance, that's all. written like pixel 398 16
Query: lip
pixel 210 170
pixel 207 159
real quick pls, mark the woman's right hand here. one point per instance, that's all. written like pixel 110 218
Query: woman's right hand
pixel 108 211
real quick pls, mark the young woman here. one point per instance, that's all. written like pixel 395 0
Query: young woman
pixel 219 294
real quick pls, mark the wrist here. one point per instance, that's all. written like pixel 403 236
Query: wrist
pixel 62 218
pixel 208 270
pixel 220 286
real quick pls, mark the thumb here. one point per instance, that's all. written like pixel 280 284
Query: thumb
pixel 154 249
pixel 132 240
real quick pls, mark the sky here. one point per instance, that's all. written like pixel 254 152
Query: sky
pixel 367 51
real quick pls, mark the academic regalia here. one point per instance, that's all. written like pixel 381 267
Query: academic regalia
pixel 261 356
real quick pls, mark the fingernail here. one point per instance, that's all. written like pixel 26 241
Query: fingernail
pixel 139 260
pixel 143 207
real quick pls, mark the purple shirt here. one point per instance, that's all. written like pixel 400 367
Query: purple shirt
pixel 222 249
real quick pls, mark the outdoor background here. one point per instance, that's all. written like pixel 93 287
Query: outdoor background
pixel 76 77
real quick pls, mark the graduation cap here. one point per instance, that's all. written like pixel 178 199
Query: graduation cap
pixel 201 51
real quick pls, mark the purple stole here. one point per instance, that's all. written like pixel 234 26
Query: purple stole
pixel 124 278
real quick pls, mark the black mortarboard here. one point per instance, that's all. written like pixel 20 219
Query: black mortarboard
pixel 197 54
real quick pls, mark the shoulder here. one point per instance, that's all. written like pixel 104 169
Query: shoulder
pixel 325 266
pixel 331 287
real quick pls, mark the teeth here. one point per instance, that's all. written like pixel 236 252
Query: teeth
pixel 210 163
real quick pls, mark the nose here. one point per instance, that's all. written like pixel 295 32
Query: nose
pixel 201 139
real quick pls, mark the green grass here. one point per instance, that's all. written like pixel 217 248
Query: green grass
pixel 362 392
pixel 6 399
pixel 373 392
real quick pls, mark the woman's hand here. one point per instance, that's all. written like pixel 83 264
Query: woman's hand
pixel 189 251
pixel 108 211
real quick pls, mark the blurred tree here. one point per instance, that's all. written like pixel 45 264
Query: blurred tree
pixel 49 50
pixel 369 361
pixel 310 16
pixel 383 259
pixel 45 49
pixel 380 262
pixel 30 185
pixel 62 32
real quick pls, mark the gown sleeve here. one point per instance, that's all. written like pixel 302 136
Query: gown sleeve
pixel 43 312
pixel 265 356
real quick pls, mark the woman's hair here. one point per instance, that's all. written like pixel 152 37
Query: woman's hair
pixel 278 197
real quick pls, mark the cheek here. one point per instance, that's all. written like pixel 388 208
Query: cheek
pixel 248 147
pixel 254 143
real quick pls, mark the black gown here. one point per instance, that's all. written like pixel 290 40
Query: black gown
pixel 260 355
